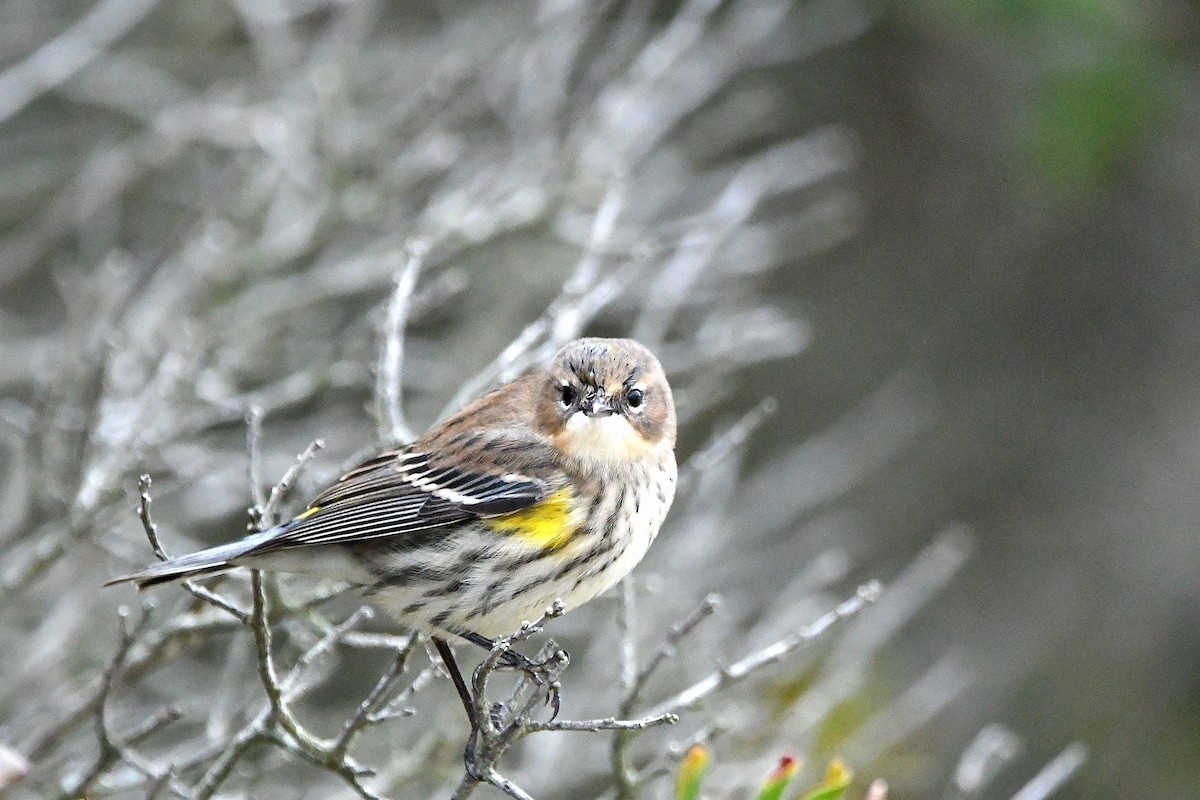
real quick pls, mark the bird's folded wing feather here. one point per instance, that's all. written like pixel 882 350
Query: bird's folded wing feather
pixel 401 493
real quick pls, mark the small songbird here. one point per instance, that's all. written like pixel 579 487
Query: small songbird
pixel 551 487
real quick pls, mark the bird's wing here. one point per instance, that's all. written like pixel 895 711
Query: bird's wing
pixel 401 493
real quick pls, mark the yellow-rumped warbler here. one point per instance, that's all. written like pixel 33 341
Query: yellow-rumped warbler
pixel 551 487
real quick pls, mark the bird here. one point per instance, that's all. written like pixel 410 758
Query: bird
pixel 548 489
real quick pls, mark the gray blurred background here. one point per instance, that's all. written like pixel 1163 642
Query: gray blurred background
pixel 976 304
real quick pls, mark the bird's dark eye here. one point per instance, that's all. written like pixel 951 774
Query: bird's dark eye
pixel 634 397
pixel 568 394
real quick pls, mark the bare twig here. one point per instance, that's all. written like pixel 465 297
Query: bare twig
pixel 772 653
pixel 276 723
pixel 502 724
pixel 674 636
pixel 634 683
pixel 627 780
pixel 141 657
pixel 57 60
pixel 151 529
pixel 237 746
pixel 276 692
pixel 148 727
pixel 147 522
pixel 329 755
pixel 993 747
pixel 279 491
pixel 110 750
pixel 365 713
pixel 1055 774
pixel 627 634
pixel 396 706
pixel 937 688
pixel 606 724
pixel 332 636
pixel 729 441
pixel 254 436
pixel 14 767
pixel 577 303
pixel 389 386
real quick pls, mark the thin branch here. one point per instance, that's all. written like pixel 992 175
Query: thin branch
pixel 505 785
pixel 627 634
pixel 332 636
pixel 254 436
pixel 626 780
pixel 500 725
pixel 158 785
pixel 674 636
pixel 1055 774
pixel 363 715
pixel 278 492
pixel 55 62
pixel 147 728
pixel 624 776
pixel 389 384
pixel 276 722
pixel 992 748
pixel 237 746
pixel 729 441
pixel 375 641
pixel 395 707
pixel 203 593
pixel 110 751
pixel 142 657
pixel 276 694
pixel 330 755
pixel 940 686
pixel 564 318
pixel 466 787
pixel 150 725
pixel 147 521
pixel 772 653
pixel 606 724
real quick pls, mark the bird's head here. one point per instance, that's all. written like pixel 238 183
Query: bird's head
pixel 606 399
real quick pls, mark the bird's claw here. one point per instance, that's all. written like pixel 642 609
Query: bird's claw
pixel 554 699
pixel 540 672
pixel 543 674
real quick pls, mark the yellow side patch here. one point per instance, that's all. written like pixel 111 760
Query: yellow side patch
pixel 307 513
pixel 547 525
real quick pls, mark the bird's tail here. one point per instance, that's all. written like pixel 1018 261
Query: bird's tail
pixel 195 565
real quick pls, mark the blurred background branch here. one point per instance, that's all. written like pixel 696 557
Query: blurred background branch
pixel 911 269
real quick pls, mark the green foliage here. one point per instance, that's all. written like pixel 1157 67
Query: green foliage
pixel 691 772
pixel 831 787
pixel 1086 120
pixel 777 781
pixel 1096 77
pixel 696 762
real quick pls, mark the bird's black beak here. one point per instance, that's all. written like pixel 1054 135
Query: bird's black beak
pixel 597 406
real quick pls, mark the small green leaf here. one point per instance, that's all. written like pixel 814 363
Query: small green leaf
pixel 691 772
pixel 777 781
pixel 836 779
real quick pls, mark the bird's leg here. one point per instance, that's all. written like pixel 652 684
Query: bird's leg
pixel 468 701
pixel 460 685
